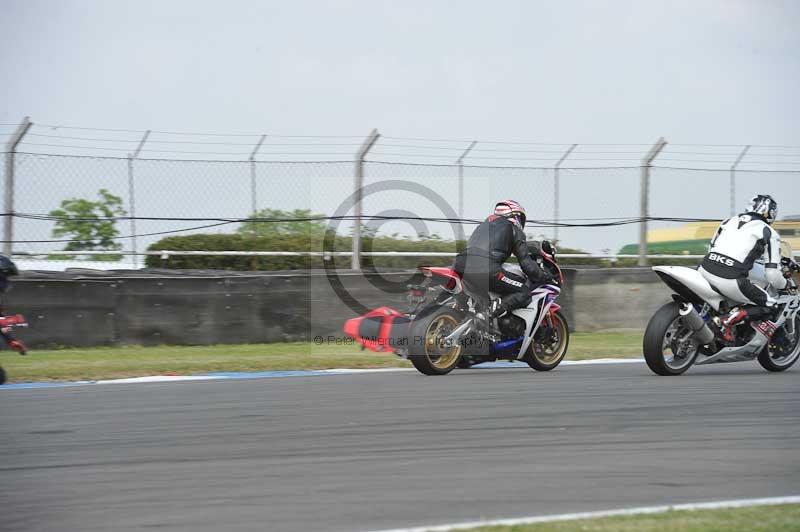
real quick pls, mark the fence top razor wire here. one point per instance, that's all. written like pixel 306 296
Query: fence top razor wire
pixel 268 146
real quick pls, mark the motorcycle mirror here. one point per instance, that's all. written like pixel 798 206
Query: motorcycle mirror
pixel 547 247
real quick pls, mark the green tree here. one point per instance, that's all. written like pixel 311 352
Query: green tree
pixel 90 224
pixel 305 228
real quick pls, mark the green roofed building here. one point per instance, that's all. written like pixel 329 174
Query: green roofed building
pixel 693 238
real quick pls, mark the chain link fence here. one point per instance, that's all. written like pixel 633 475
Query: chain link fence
pixel 185 197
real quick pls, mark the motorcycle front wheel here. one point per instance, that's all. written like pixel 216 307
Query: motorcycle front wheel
pixel 668 348
pixel 782 356
pixel 427 351
pixel 547 352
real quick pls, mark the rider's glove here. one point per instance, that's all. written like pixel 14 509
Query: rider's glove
pixel 788 267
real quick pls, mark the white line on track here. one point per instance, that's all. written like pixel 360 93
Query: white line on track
pixel 298 373
pixel 740 503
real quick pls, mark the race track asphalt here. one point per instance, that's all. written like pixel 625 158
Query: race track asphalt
pixel 375 451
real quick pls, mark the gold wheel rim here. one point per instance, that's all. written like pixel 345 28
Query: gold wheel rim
pixel 553 353
pixel 441 357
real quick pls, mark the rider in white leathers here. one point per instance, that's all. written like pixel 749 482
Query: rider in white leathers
pixel 731 264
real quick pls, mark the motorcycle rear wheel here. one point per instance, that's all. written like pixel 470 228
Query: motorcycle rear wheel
pixel 662 338
pixel 2 376
pixel 427 351
pixel 544 357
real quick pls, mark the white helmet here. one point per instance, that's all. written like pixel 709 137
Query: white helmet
pixel 763 205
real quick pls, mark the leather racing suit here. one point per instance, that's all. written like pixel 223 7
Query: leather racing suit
pixel 731 263
pixel 481 264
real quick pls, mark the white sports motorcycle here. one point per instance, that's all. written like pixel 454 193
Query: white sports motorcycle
pixel 688 330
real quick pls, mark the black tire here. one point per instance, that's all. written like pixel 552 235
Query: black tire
pixel 425 351
pixel 769 363
pixel 2 376
pixel 655 338
pixel 542 361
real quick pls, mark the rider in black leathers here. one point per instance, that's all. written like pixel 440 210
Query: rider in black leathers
pixel 491 244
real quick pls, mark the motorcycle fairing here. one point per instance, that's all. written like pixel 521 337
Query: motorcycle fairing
pixel 541 304
pixel 749 351
pixel 683 279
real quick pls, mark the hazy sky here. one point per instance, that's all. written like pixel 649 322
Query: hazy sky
pixel 619 71
pixel 712 72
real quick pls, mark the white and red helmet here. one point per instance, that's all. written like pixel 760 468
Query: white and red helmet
pixel 512 210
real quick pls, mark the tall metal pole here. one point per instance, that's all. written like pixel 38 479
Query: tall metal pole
pixel 733 179
pixel 460 163
pixel 253 206
pixel 644 189
pixel 11 149
pixel 359 189
pixel 132 196
pixel 557 191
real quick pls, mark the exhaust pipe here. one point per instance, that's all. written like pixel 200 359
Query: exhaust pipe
pixel 693 321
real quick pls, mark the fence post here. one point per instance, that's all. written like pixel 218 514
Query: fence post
pixel 359 188
pixel 132 196
pixel 557 192
pixel 253 206
pixel 733 178
pixel 460 163
pixel 644 189
pixel 11 150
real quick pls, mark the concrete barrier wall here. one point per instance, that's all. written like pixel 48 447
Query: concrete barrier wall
pixel 149 310
pixel 616 298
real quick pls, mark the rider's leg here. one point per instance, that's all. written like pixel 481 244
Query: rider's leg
pixel 757 304
pixel 515 291
pixel 739 290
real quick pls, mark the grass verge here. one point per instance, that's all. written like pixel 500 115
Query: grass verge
pixel 132 361
pixel 753 519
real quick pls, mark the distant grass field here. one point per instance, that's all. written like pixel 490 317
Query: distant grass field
pixel 783 518
pixel 133 361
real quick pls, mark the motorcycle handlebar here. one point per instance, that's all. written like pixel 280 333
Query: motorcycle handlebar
pixel 790 264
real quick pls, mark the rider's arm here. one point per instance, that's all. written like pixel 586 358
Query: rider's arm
pixel 528 265
pixel 772 258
